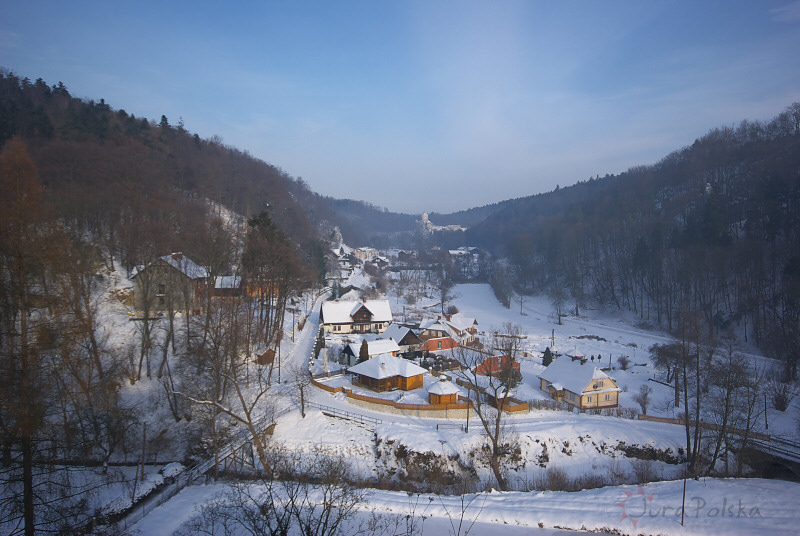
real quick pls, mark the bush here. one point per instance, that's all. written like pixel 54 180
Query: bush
pixel 557 479
pixel 781 393
pixel 624 362
pixel 644 471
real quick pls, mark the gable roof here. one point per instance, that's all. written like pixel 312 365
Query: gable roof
pixel 342 311
pixel 387 366
pixel 435 324
pixel 398 333
pixel 460 322
pixel 566 374
pixel 376 347
pixel 180 262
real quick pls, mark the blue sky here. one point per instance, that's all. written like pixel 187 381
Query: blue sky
pixel 428 105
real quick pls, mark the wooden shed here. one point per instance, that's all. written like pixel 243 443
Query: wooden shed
pixel 443 392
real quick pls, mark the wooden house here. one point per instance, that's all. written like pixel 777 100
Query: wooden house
pixel 406 339
pixel 387 373
pixel 579 385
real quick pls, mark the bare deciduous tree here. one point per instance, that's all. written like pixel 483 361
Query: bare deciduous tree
pixel 489 394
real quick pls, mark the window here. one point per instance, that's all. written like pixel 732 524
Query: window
pixel 589 399
pixel 597 385
pixel 608 397
pixel 439 345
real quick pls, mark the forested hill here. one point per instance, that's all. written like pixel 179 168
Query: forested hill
pixel 469 217
pixel 713 228
pixel 140 184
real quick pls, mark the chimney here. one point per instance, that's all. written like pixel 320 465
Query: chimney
pixel 177 256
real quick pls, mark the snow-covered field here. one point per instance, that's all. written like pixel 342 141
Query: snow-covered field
pixel 712 507
pixel 579 444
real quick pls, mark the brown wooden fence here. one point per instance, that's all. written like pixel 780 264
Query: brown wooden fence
pixel 396 405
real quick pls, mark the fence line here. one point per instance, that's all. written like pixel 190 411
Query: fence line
pixel 346 414
pixel 391 403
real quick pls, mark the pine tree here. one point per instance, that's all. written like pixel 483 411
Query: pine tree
pixel 547 358
pixel 363 353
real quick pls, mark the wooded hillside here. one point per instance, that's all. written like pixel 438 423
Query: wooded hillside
pixel 713 227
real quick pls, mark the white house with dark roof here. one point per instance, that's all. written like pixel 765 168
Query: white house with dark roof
pixel 352 316
pixel 580 385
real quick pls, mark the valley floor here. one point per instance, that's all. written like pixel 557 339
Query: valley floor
pixel 581 445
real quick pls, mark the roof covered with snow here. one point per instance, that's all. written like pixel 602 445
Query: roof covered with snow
pixel 461 322
pixel 387 366
pixel 567 374
pixel 180 262
pixel 396 332
pixel 342 311
pixel 435 324
pixel 228 281
pixel 376 347
pixel 443 387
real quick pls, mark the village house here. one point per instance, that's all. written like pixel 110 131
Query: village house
pixel 374 348
pixel 406 339
pixel 387 373
pixel 172 282
pixel 365 253
pixel 438 343
pixel 464 327
pixel 579 385
pixel 434 328
pixel 177 283
pixel 346 316
pixel 498 366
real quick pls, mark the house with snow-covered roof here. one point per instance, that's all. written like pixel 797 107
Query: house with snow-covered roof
pixel 352 316
pixel 465 327
pixel 579 385
pixel 172 282
pixel 386 373
pixel 374 348
pixel 435 328
pixel 405 338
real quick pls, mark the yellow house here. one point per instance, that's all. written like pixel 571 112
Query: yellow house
pixel 579 385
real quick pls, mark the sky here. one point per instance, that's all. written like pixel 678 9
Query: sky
pixel 424 105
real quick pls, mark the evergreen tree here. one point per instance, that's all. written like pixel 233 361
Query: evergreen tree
pixel 547 358
pixel 363 353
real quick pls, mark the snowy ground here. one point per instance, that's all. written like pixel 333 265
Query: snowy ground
pixel 578 443
pixel 712 507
